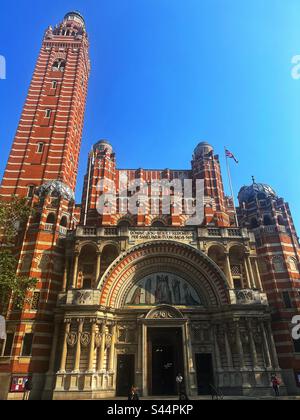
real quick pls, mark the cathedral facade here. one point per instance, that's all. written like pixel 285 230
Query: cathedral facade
pixel 154 273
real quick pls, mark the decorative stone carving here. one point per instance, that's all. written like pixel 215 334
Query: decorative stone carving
pixel 127 333
pixel 98 340
pixel 108 340
pixel 83 297
pixel 250 297
pixel 85 338
pixel 72 338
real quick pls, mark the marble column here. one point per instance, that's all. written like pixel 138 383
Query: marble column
pixel 259 283
pixel 65 349
pixel 248 283
pixel 111 360
pixel 98 267
pixel 265 346
pixel 228 271
pixel 65 280
pixel 100 362
pixel 75 271
pixel 252 281
pixel 217 349
pixel 252 344
pixel 272 346
pixel 92 348
pixel 239 345
pixel 78 347
pixel 228 350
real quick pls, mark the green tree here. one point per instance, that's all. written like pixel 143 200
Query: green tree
pixel 13 214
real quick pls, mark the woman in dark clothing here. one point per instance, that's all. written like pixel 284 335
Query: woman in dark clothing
pixel 133 394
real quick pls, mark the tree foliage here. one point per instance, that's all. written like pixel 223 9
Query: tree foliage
pixel 13 214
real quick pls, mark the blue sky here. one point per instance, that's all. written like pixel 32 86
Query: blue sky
pixel 167 74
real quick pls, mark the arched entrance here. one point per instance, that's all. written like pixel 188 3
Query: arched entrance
pixel 163 287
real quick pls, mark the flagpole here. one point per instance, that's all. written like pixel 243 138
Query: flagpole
pixel 231 188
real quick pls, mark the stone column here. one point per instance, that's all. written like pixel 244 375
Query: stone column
pixel 252 344
pixel 78 347
pixel 111 359
pixel 252 281
pixel 100 362
pixel 66 270
pixel 217 348
pixel 54 347
pixel 266 346
pixel 139 369
pixel 259 283
pixel 65 348
pixel 75 270
pixel 248 283
pixel 273 347
pixel 228 350
pixel 98 267
pixel 145 359
pixel 92 348
pixel 239 345
pixel 228 271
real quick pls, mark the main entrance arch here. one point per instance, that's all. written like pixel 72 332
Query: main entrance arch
pixel 162 286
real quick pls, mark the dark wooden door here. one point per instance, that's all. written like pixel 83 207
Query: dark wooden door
pixel 125 374
pixel 205 377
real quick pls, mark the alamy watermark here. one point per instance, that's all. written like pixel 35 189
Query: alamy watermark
pixel 2 68
pixel 296 328
pixel 296 68
pixel 137 197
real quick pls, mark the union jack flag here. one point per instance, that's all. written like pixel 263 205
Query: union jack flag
pixel 230 155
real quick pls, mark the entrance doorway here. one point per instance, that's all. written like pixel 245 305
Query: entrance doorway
pixel 125 374
pixel 205 376
pixel 165 360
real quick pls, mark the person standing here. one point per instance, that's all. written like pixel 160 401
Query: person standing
pixel 275 385
pixel 27 389
pixel 179 382
pixel 133 394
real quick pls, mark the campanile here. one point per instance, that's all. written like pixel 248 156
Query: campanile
pixel 47 142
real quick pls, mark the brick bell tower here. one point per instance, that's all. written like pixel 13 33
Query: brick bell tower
pixel 47 142
pixel 43 167
pixel 269 218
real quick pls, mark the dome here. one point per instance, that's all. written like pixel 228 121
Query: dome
pixel 103 145
pixel 56 188
pixel 202 149
pixel 76 16
pixel 260 191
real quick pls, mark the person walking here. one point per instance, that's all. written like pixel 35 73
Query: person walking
pixel 275 385
pixel 133 394
pixel 179 382
pixel 27 389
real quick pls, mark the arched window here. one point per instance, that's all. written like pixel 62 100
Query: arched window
pixel 278 264
pixel 51 219
pixel 267 220
pixel 124 224
pixel 158 224
pixel 64 221
pixel 293 264
pixel 59 65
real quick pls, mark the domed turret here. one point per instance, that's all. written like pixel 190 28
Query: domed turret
pixel 256 191
pixel 103 145
pixel 76 17
pixel 57 189
pixel 202 149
